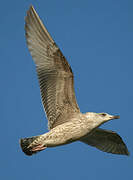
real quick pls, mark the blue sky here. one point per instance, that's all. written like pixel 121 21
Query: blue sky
pixel 97 39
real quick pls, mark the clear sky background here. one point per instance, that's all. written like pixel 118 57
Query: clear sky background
pixel 96 36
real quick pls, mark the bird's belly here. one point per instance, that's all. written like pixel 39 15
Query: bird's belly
pixel 65 134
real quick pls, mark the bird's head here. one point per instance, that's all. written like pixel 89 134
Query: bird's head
pixel 101 118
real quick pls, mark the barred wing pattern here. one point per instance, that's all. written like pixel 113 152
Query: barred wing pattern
pixel 107 141
pixel 54 72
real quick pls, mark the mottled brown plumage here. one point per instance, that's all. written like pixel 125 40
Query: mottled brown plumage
pixel 54 72
pixel 65 121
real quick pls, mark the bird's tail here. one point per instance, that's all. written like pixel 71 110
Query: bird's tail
pixel 31 145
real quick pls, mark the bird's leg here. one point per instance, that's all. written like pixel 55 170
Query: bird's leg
pixel 38 148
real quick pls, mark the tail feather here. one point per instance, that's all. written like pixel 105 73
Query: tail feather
pixel 26 148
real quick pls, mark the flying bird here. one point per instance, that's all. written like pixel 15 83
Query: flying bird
pixel 65 121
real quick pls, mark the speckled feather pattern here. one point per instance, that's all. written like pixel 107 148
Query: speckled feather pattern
pixel 65 121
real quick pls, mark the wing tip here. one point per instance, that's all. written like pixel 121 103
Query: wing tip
pixel 31 8
pixel 32 12
pixel 127 153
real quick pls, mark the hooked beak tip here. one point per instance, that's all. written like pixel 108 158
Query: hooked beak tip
pixel 116 117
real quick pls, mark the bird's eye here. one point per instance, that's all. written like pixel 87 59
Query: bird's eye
pixel 103 114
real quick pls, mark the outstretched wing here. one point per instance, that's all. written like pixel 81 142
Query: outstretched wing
pixel 107 141
pixel 54 72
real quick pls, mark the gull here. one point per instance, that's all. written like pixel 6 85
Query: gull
pixel 65 121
